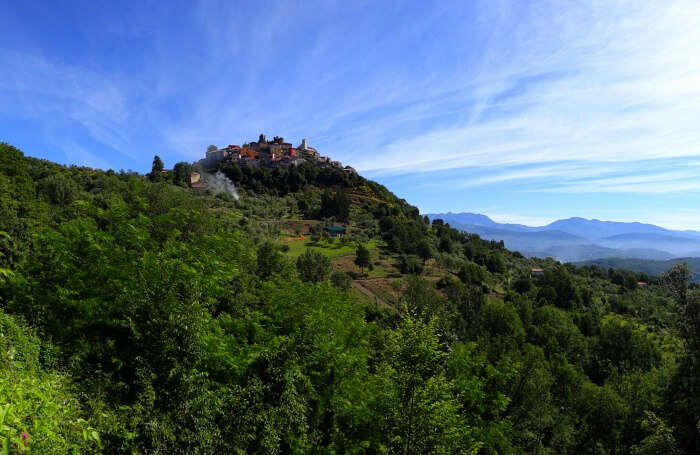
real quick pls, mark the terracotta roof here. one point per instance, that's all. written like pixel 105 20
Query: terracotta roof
pixel 248 152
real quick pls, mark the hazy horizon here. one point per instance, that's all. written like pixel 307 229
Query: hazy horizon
pixel 537 222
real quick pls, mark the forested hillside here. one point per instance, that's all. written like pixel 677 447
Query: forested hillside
pixel 647 266
pixel 141 316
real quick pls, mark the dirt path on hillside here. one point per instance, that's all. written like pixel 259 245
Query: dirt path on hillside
pixel 358 285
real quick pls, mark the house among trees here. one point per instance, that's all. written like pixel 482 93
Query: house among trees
pixel 194 180
pixel 335 231
pixel 536 273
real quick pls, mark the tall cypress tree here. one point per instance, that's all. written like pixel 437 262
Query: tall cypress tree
pixel 156 169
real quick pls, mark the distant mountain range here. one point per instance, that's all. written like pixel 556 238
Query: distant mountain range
pixel 580 239
pixel 648 266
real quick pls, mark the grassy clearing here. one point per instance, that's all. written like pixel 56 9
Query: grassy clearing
pixel 360 298
pixel 384 288
pixel 332 249
pixel 381 268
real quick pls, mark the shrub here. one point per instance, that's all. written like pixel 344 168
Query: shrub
pixel 341 280
pixel 410 264
pixel 471 273
pixel 313 266
pixel 38 413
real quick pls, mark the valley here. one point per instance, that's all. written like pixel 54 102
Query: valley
pixel 587 241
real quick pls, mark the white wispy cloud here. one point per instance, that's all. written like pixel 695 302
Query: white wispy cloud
pixel 40 89
pixel 505 91
pixel 591 81
pixel 646 176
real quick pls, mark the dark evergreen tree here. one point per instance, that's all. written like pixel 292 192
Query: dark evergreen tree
pixel 181 171
pixel 425 250
pixel 362 257
pixel 269 260
pixel 156 169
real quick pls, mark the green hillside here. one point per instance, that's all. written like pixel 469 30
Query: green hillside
pixel 141 316
pixel 647 266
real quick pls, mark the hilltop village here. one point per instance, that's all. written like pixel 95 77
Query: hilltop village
pixel 264 153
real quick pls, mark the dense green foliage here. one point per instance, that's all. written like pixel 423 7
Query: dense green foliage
pixel 139 316
pixel 335 205
pixel 313 267
pixel 282 181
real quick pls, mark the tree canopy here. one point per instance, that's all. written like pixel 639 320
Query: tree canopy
pixel 142 316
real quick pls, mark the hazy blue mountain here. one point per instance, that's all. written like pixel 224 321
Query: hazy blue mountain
pixel 521 240
pixel 580 239
pixel 477 219
pixel 575 253
pixel 596 229
pixel 675 243
pixel 669 236
pixel 650 267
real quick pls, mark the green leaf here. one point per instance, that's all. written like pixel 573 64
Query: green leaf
pixel 3 412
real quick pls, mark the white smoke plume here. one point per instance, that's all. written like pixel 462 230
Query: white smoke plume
pixel 219 183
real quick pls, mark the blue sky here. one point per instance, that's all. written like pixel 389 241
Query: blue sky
pixel 525 111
